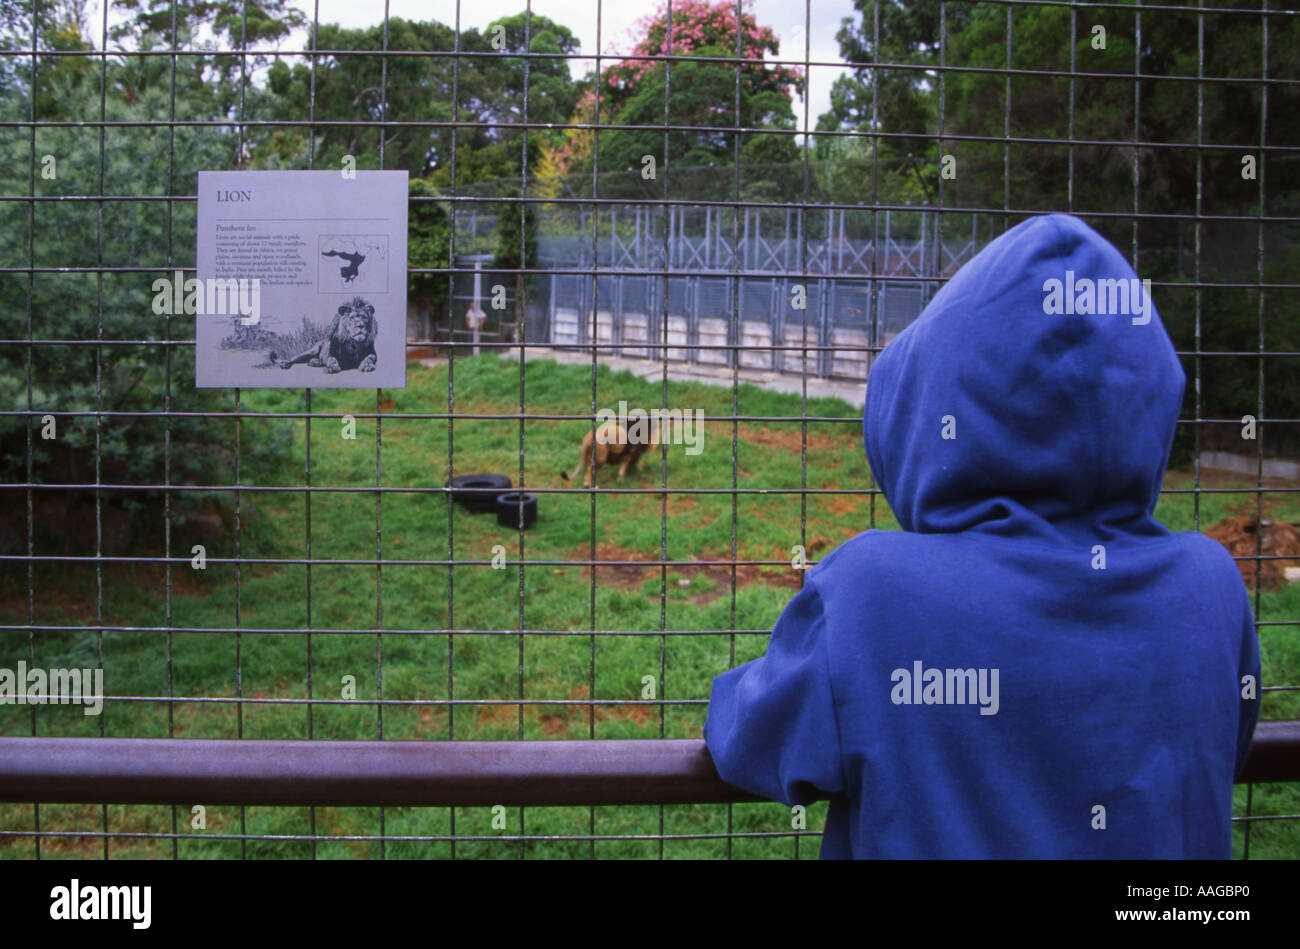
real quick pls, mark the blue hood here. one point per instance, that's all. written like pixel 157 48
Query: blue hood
pixel 1089 445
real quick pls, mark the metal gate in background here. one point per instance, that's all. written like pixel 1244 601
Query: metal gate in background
pixel 853 309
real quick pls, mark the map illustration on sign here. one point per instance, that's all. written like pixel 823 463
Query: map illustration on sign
pixel 353 262
pixel 300 280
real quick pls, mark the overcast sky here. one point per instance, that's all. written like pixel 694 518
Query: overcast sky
pixel 787 18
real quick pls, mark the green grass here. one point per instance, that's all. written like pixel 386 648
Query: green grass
pixel 413 453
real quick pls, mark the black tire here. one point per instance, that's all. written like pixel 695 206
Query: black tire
pixel 510 512
pixel 477 493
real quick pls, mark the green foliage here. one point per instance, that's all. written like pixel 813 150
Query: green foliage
pixel 893 100
pixel 257 23
pixel 487 89
pixel 367 90
pixel 231 24
pixel 1232 386
pixel 494 164
pixel 512 250
pixel 1125 96
pixel 116 306
pixel 846 170
pixel 699 29
pixel 552 94
pixel 428 246
pixel 705 95
pixel 58 27
pixel 697 90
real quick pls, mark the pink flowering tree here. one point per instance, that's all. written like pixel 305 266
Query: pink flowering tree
pixel 710 69
pixel 698 27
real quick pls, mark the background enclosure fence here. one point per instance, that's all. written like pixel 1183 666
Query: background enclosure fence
pixel 649 214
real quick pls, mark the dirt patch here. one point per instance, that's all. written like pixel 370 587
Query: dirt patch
pixel 787 438
pixel 686 506
pixel 77 609
pixel 641 714
pixel 501 716
pixel 633 568
pixel 839 505
pixel 819 544
pixel 433 721
pixel 1243 538
pixel 422 352
pixel 54 595
pixel 184 582
pixel 557 720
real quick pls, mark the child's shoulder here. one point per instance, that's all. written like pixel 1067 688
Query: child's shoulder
pixel 870 545
pixel 1215 559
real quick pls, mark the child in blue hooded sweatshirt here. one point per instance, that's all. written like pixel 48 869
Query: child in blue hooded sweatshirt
pixel 1033 666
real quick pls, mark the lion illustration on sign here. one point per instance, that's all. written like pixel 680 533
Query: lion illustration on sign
pixel 350 344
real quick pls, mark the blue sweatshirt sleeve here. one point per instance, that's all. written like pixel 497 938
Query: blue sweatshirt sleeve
pixel 1249 666
pixel 771 727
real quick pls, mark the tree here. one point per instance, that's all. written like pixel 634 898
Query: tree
pixel 1109 177
pixel 369 90
pixel 233 22
pixel 551 91
pixel 233 25
pixel 429 246
pixel 52 27
pixel 885 99
pixel 697 26
pixel 137 159
pixel 741 91
pixel 843 168
pixel 487 85
pixel 568 153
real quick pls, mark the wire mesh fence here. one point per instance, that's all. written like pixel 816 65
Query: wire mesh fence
pixel 667 223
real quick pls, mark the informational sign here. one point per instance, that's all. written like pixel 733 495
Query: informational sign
pixel 301 280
